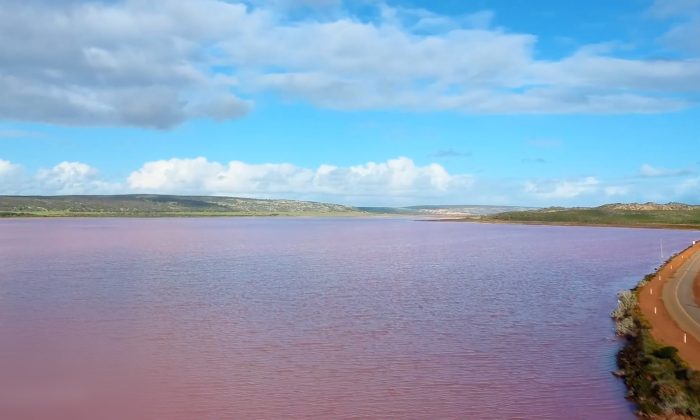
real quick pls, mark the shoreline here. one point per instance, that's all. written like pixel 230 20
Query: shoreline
pixel 572 224
pixel 659 363
pixel 359 215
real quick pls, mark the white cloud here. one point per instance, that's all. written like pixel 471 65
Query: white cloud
pixel 287 7
pixel 594 190
pixel 562 189
pixel 138 63
pixel 424 21
pixel 671 8
pixel 688 190
pixel 119 63
pixel 398 181
pixel 63 178
pixel 616 190
pixel 12 179
pixel 72 178
pixel 8 168
pixel 397 178
pixel 373 182
pixel 684 34
pixel 650 171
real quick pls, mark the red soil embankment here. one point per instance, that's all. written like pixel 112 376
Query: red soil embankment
pixel 663 328
pixel 696 290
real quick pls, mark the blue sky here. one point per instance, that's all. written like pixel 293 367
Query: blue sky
pixel 365 102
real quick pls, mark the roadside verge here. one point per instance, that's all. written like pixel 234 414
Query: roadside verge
pixel 658 358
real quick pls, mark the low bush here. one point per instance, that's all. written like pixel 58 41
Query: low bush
pixel 667 352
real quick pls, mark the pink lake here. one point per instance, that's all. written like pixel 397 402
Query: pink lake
pixel 271 318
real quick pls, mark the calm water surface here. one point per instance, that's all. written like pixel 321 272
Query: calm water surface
pixel 321 318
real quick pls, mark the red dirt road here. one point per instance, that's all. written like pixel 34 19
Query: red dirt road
pixel 696 289
pixel 665 328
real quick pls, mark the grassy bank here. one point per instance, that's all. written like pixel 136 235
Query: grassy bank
pixel 650 215
pixel 658 380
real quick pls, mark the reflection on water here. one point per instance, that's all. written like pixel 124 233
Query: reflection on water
pixel 328 318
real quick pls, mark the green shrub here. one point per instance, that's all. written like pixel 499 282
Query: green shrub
pixel 694 382
pixel 667 352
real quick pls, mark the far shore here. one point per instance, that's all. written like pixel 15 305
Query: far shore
pixel 579 224
pixel 425 218
pixel 184 215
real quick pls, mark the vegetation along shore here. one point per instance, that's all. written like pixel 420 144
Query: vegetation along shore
pixel 663 381
pixel 648 215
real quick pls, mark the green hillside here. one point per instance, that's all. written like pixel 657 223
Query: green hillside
pixel 162 205
pixel 648 214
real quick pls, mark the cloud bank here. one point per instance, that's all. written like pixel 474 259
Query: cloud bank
pixel 650 171
pixel 398 181
pixel 157 64
pixel 562 189
pixel 394 180
pixel 397 178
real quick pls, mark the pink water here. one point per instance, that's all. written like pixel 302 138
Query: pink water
pixel 313 318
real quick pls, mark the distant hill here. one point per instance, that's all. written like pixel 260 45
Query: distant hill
pixel 648 206
pixel 445 210
pixel 153 205
pixel 161 205
pixel 633 214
